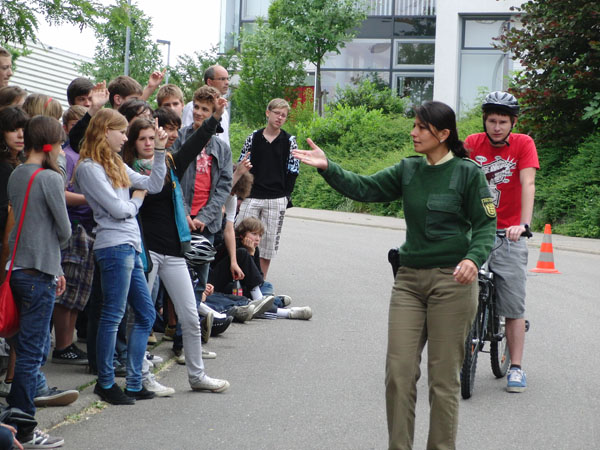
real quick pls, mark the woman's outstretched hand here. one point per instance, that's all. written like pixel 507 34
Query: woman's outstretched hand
pixel 315 157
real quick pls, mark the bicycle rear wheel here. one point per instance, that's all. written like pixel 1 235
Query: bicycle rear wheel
pixel 499 354
pixel 469 367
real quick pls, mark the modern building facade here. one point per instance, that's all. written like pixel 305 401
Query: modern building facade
pixel 424 49
pixel 47 70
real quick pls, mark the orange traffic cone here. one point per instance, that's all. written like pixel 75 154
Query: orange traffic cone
pixel 545 262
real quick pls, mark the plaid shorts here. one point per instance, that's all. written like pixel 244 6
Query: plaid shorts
pixel 271 212
pixel 78 266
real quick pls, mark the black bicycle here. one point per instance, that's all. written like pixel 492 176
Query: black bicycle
pixel 487 326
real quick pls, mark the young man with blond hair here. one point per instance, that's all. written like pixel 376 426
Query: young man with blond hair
pixel 170 96
pixel 275 171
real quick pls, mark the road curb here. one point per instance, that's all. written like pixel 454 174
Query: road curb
pixel 560 242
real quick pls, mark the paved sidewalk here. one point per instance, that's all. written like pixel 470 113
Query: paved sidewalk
pixel 70 377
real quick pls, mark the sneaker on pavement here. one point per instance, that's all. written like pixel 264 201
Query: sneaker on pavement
pixel 243 313
pixel 220 325
pixel 70 355
pixel 4 389
pixel 286 300
pixel 206 325
pixel 262 305
pixel 56 397
pixel 179 357
pixel 208 355
pixel 143 394
pixel 39 439
pixel 300 312
pixel 210 384
pixel 113 395
pixel 517 382
pixel 152 385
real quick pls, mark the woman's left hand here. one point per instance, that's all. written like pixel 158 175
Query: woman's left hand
pixel 465 272
pixel 61 285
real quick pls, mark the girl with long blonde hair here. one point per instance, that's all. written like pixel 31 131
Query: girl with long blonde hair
pixel 105 180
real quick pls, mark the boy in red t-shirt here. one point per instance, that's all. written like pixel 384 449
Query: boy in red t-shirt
pixel 509 161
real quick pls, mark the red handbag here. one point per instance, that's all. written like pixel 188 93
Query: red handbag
pixel 9 314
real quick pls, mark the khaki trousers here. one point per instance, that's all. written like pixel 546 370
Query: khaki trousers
pixel 426 305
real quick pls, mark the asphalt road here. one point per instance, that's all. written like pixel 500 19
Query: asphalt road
pixel 319 384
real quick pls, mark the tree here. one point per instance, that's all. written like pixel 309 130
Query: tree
pixel 188 74
pixel 109 56
pixel 316 27
pixel 19 21
pixel 559 47
pixel 270 68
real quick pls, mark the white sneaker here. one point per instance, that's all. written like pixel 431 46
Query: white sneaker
pixel 208 355
pixel 262 305
pixel 300 312
pixel 210 384
pixel 152 385
pixel 180 359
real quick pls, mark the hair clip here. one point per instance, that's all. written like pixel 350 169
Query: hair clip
pixel 47 148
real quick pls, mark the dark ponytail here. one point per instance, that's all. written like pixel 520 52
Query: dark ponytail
pixel 442 117
pixel 40 131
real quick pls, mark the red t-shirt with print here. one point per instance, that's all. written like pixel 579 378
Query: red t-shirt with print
pixel 502 166
pixel 202 182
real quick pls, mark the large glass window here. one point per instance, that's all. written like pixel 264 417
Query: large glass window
pixel 251 9
pixel 332 79
pixel 416 86
pixel 414 26
pixel 483 68
pixel 416 54
pixel 480 33
pixel 361 54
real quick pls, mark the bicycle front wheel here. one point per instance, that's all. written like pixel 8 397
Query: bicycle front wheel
pixel 499 354
pixel 469 367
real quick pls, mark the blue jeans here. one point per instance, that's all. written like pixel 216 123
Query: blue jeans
pixel 123 281
pixel 35 294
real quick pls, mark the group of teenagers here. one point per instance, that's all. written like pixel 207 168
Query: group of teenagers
pixel 134 214
pixel 173 179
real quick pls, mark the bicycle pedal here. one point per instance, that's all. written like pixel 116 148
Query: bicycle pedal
pixel 498 337
pixel 526 326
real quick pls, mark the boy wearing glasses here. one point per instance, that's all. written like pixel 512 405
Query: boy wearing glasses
pixel 275 171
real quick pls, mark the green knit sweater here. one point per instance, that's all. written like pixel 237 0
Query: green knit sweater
pixel 448 207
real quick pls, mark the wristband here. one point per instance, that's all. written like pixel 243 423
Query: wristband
pixel 159 149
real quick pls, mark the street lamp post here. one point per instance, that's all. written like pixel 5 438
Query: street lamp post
pixel 168 44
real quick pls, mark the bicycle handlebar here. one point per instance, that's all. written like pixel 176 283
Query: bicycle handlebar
pixel 527 233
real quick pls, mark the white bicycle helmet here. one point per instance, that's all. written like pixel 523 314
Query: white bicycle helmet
pixel 501 101
pixel 201 252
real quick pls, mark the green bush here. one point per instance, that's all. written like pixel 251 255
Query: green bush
pixel 568 197
pixel 360 140
pixel 372 94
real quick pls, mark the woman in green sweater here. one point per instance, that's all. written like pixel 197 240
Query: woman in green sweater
pixel 450 229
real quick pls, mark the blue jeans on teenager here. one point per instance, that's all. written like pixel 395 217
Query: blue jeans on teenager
pixel 34 293
pixel 123 281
